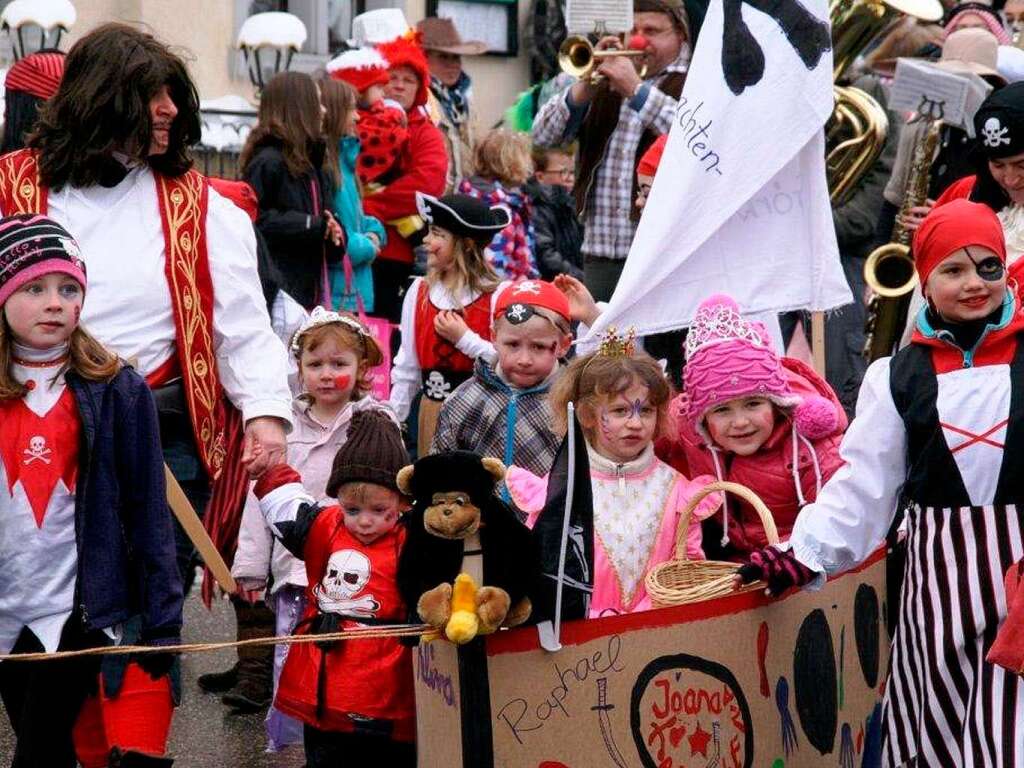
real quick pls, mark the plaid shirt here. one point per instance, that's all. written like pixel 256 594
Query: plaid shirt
pixel 480 415
pixel 608 230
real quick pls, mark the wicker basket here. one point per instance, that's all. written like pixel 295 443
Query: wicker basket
pixel 681 581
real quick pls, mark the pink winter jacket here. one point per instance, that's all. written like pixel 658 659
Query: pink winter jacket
pixel 815 429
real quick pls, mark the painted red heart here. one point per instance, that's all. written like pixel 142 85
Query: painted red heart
pixel 675 735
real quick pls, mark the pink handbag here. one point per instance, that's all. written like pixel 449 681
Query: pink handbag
pixel 381 329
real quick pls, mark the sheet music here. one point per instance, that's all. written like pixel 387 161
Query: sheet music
pixel 928 89
pixel 581 16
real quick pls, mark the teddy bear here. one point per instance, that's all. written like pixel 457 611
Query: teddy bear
pixel 458 525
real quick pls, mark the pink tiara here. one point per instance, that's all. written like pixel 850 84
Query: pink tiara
pixel 718 320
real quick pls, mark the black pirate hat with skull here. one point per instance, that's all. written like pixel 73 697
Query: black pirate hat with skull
pixel 999 123
pixel 464 216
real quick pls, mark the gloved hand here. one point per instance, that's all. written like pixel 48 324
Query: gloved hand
pixel 781 570
pixel 156 665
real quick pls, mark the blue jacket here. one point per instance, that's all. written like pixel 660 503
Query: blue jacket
pixel 348 207
pixel 126 563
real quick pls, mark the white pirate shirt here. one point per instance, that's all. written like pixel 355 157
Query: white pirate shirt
pixel 38 469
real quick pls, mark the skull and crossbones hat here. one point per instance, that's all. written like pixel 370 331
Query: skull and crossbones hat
pixel 999 123
pixel 516 301
pixel 464 216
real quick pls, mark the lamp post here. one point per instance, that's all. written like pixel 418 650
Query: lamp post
pixel 52 18
pixel 280 34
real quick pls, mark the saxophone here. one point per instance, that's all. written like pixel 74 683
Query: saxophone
pixel 889 269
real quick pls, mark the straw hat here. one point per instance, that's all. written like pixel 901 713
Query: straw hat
pixel 441 35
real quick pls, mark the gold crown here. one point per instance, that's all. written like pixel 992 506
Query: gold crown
pixel 614 345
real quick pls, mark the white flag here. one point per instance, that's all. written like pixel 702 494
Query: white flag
pixel 740 204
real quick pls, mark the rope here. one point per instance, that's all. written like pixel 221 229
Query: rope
pixel 397 630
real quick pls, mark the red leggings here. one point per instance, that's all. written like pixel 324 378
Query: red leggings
pixel 138 719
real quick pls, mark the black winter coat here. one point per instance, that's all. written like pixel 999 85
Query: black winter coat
pixel 557 229
pixel 292 222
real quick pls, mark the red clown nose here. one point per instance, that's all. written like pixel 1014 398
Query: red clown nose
pixel 637 43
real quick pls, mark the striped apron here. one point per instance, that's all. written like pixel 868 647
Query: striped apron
pixel 944 704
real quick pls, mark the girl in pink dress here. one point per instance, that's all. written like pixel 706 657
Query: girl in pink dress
pixel 621 399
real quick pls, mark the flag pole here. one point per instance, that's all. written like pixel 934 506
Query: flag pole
pixel 818 342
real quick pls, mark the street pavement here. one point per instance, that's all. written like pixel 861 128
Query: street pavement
pixel 204 734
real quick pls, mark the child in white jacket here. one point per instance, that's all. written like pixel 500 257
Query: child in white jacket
pixel 335 354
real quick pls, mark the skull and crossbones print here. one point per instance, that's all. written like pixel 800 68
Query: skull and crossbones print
pixel 37 450
pixel 436 387
pixel 531 287
pixel 347 574
pixel 994 132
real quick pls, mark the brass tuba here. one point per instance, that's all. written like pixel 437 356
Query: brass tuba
pixel 856 131
pixel 889 269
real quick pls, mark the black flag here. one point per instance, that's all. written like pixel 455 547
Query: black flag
pixel 578 578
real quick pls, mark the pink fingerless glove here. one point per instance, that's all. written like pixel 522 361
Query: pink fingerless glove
pixel 781 570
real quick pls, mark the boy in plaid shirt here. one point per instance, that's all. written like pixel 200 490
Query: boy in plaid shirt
pixel 503 410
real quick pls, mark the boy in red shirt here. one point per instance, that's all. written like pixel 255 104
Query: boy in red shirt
pixel 355 698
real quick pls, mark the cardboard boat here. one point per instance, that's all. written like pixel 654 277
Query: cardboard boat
pixel 735 682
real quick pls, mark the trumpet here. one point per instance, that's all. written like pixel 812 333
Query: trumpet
pixel 578 57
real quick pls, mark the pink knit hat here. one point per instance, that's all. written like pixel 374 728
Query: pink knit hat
pixel 727 357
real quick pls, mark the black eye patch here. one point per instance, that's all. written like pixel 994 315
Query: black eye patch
pixel 989 269
pixel 518 313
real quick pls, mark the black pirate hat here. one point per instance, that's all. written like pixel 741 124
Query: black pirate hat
pixel 464 216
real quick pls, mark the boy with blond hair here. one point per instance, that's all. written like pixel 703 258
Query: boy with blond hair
pixel 503 410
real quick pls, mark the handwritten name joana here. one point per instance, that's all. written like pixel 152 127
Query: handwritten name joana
pixel 521 715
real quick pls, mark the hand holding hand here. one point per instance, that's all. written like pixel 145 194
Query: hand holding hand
pixel 582 306
pixel 265 444
pixel 450 326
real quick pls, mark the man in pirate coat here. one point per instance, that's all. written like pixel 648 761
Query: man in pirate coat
pixel 172 265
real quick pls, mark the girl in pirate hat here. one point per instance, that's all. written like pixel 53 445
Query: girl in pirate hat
pixel 446 316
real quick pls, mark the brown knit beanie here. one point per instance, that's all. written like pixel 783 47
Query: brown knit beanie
pixel 373 453
pixel 674 8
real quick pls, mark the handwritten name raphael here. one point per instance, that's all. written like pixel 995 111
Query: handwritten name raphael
pixel 522 715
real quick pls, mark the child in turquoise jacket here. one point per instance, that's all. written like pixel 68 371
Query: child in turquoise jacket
pixel 365 234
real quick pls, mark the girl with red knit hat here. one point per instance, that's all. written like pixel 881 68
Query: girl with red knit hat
pixel 381 124
pixel 939 425
pixel 751 417
pixel 86 544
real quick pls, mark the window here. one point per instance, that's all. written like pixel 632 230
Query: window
pixel 328 23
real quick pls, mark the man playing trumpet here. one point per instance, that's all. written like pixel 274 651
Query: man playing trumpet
pixel 614 121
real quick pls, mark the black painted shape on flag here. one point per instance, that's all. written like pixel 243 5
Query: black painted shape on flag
pixel 742 56
pixel 547 536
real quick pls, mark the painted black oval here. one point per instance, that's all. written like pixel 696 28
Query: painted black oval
pixel 814 682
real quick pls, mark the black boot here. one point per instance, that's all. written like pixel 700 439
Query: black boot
pixel 255 686
pixel 219 682
pixel 130 759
